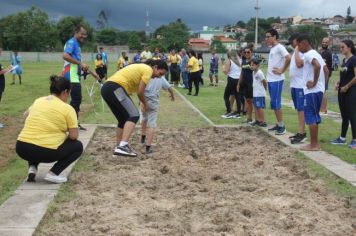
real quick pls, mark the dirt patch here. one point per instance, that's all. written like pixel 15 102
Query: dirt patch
pixel 211 181
pixel 8 136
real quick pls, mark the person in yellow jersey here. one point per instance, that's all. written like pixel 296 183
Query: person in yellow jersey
pixel 174 59
pixel 194 72
pixel 123 61
pixel 50 133
pixel 116 93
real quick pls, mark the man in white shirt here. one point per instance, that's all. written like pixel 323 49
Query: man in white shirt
pixel 315 73
pixel 146 54
pixel 297 85
pixel 278 62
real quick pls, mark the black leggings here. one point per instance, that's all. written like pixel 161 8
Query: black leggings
pixel 65 154
pixel 230 89
pixel 348 111
pixel 194 77
pixel 120 103
pixel 76 96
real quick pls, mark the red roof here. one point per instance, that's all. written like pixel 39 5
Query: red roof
pixel 199 42
pixel 224 39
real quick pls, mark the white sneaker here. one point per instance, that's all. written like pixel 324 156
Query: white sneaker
pixel 32 171
pixel 1 125
pixel 58 179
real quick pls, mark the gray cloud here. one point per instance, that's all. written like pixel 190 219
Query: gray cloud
pixel 130 14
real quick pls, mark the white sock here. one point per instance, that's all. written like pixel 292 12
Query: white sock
pixel 281 124
pixel 123 143
pixel 342 138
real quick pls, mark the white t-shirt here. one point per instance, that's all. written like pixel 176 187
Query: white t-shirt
pixel 258 89
pixel 276 59
pixel 235 70
pixel 153 88
pixel 295 73
pixel 308 72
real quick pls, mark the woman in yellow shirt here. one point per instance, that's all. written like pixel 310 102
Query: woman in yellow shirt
pixel 99 66
pixel 194 72
pixel 175 60
pixel 50 132
pixel 116 91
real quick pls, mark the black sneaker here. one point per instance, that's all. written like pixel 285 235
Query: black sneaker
pixel 293 136
pixel 281 130
pixel 262 124
pixel 255 123
pixel 124 151
pixel 299 138
pixel 32 171
pixel 274 128
pixel 227 115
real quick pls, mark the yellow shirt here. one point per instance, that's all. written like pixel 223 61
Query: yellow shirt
pixel 47 123
pixel 174 58
pixel 193 64
pixel 130 76
pixel 99 63
pixel 121 63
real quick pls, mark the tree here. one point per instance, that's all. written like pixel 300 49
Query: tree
pixel 173 36
pixel 28 31
pixel 315 32
pixel 241 24
pixel 103 19
pixel 349 18
pixel 107 36
pixel 217 46
pixel 134 41
pixel 66 26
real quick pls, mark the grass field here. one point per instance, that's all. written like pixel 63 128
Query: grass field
pixel 17 98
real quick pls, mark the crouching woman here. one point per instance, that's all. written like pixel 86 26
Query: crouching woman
pixel 50 133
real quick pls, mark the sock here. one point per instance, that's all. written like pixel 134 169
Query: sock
pixel 148 148
pixel 280 124
pixel 123 143
pixel 342 138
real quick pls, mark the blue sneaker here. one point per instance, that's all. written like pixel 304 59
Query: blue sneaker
pixel 353 144
pixel 338 141
pixel 280 130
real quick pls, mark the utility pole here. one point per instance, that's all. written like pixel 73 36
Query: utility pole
pixel 147 23
pixel 256 29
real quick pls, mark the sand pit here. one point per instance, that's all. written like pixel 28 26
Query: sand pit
pixel 211 181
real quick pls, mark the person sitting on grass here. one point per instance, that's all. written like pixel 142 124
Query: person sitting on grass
pixel 50 133
pixel 315 73
pixel 149 117
pixel 116 92
pixel 259 93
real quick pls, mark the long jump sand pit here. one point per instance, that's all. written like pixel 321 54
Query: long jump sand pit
pixel 202 181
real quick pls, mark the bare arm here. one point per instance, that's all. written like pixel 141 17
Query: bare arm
pixel 5 70
pixel 226 67
pixel 316 65
pixel 70 59
pixel 141 95
pixel 349 84
pixel 73 133
pixel 171 94
pixel 239 83
pixel 298 60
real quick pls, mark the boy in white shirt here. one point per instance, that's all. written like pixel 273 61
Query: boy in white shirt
pixel 149 117
pixel 315 75
pixel 259 93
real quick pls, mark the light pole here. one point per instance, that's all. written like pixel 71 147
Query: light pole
pixel 256 29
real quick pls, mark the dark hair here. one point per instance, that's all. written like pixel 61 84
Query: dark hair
pixel 200 55
pixel 256 61
pixel 293 37
pixel 78 27
pixel 350 44
pixel 273 32
pixel 162 65
pixel 98 55
pixel 303 37
pixel 101 48
pixel 58 84
pixel 193 53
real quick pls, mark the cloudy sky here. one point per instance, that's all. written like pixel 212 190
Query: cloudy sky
pixel 131 14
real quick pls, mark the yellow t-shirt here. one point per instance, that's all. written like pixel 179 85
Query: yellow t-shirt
pixel 48 122
pixel 99 63
pixel 130 76
pixel 174 58
pixel 121 63
pixel 193 63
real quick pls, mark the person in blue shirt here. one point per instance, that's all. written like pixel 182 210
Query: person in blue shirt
pixel 16 61
pixel 73 67
pixel 137 57
pixel 335 61
pixel 214 68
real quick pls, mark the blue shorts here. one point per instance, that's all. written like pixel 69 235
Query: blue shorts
pixel 213 72
pixel 275 93
pixel 312 104
pixel 298 98
pixel 259 102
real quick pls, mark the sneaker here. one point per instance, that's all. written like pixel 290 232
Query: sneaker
pixel 338 141
pixel 57 179
pixel 149 151
pixel 235 115
pixel 299 138
pixel 262 124
pixel 353 144
pixel 254 123
pixel 32 171
pixel 81 128
pixel 293 136
pixel 189 93
pixel 1 125
pixel 124 151
pixel 280 130
pixel 227 115
pixel 274 128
